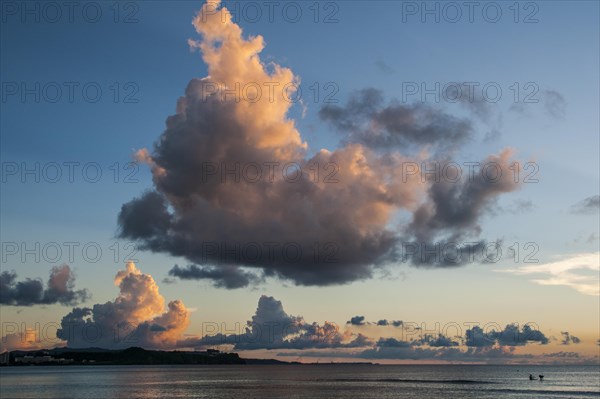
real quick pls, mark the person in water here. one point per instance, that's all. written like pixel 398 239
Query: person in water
pixel 531 377
pixel 541 377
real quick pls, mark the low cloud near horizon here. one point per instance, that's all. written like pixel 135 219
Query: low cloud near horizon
pixel 138 316
pixel 580 272
pixel 60 289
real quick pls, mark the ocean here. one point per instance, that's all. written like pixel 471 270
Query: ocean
pixel 299 381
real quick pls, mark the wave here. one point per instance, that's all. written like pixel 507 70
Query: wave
pixel 469 382
pixel 546 392
pixel 426 381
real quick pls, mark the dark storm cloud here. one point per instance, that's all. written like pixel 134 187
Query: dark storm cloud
pixel 222 277
pixel 59 289
pixel 588 205
pixel 366 119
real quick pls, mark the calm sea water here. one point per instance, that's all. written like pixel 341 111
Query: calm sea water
pixel 309 381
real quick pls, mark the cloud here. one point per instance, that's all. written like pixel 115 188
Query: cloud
pixel 495 345
pixel 452 214
pixel 489 354
pixel 589 205
pixel 476 337
pixel 137 317
pixel 382 66
pixel 511 335
pixel 271 327
pixel 386 322
pixel 568 339
pixel 393 343
pixel 519 206
pixel 573 355
pixel 365 119
pixel 474 101
pixel 357 321
pixel 592 238
pixel 225 200
pixel 224 277
pixel 439 341
pixel 580 272
pixel 554 103
pixel 59 289
pixel 29 339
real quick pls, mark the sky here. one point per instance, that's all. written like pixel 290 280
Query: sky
pixel 389 181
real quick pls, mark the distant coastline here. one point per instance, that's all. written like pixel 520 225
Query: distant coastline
pixel 131 356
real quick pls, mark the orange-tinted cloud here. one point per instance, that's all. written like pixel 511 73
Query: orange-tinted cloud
pixel 227 193
pixel 137 317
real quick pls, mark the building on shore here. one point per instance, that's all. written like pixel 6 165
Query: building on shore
pixel 41 360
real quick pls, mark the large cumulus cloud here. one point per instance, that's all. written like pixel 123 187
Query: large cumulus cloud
pixel 137 317
pixel 228 197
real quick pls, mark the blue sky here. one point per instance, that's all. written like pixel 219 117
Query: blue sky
pixel 369 46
